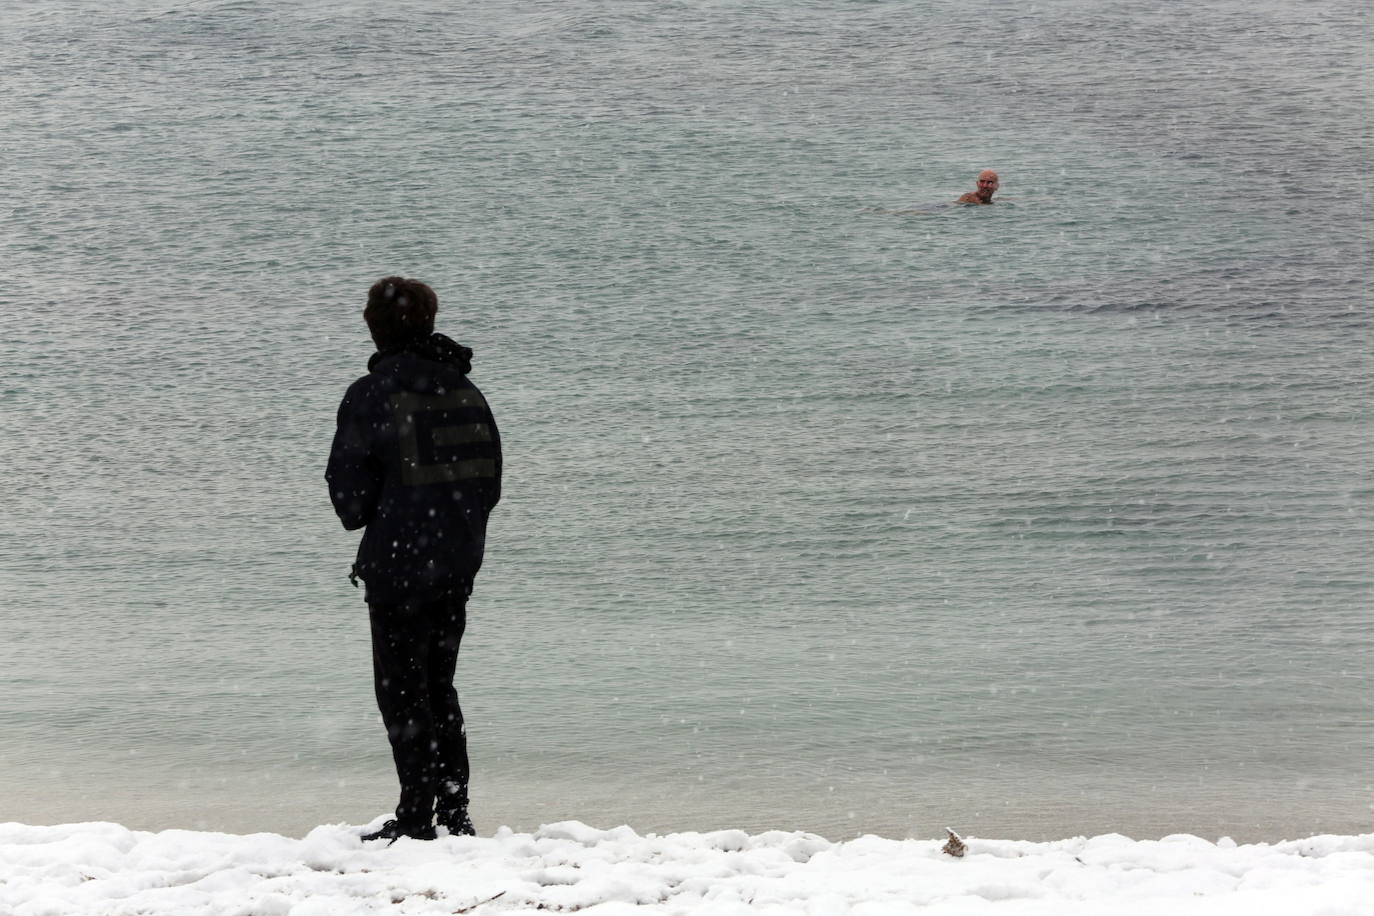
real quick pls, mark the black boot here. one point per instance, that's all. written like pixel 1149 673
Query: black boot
pixel 456 820
pixel 393 830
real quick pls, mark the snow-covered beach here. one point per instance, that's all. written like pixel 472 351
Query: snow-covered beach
pixel 107 869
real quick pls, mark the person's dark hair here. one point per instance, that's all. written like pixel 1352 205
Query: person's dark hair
pixel 400 311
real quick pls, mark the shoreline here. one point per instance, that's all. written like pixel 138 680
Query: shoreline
pixel 105 868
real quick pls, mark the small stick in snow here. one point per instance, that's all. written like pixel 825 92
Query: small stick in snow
pixel 469 909
pixel 956 846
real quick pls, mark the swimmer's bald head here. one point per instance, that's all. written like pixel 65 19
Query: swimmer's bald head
pixel 985 188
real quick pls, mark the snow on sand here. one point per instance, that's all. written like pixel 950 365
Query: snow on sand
pixel 569 867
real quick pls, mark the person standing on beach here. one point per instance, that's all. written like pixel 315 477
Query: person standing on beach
pixel 416 462
pixel 986 187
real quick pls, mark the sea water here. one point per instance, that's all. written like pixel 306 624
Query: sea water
pixel 828 506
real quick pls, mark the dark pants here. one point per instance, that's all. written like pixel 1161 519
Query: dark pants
pixel 414 652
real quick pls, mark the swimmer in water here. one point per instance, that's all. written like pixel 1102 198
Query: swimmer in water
pixel 987 186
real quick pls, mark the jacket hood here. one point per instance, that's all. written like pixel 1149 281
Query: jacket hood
pixel 436 347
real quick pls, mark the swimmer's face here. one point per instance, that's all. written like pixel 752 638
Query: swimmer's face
pixel 987 182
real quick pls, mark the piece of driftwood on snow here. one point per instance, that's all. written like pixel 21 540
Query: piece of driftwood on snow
pixel 956 846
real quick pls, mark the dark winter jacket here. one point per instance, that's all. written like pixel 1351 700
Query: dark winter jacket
pixel 417 462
